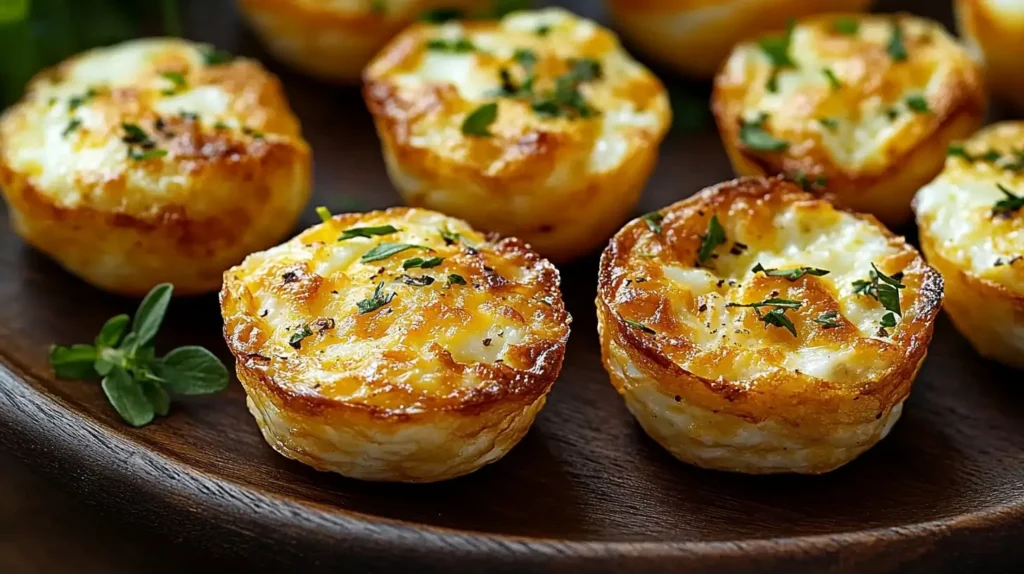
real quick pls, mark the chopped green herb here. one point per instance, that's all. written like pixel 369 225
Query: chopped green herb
pixel 73 125
pixel 828 320
pixel 77 101
pixel 754 136
pixel 376 301
pixel 776 317
pixel 830 124
pixel 918 104
pixel 479 121
pixel 367 231
pixel 881 287
pixel 133 134
pixel 776 47
pixel 219 125
pixel 458 46
pixel 800 178
pixel 440 15
pixel 147 154
pixel 714 237
pixel 846 26
pixel 888 321
pixel 214 57
pixel 566 99
pixel 176 78
pixel 958 150
pixel 892 113
pixel 449 237
pixel 135 381
pixel 422 263
pixel 543 30
pixel 833 80
pixel 653 221
pixel 455 279
pixel 324 213
pixel 640 326
pixel 188 116
pixel 790 274
pixel 421 281
pixel 295 341
pixel 252 133
pixel 897 51
pixel 384 250
pixel 1008 204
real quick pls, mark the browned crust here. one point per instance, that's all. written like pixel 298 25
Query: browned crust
pixel 816 399
pixel 962 100
pixel 504 382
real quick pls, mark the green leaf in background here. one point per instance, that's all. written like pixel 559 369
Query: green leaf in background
pixel 151 314
pixel 128 398
pixel 73 361
pixel 113 331
pixel 193 371
pixel 158 397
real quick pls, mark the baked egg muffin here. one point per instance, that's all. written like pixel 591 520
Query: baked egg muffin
pixel 695 36
pixel 153 161
pixel 334 39
pixel 756 328
pixel 862 107
pixel 396 345
pixel 971 227
pixel 537 126
pixel 994 33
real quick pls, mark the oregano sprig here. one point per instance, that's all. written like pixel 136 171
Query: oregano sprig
pixel 137 383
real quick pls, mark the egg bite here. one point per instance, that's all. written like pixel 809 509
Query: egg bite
pixel 694 37
pixel 537 125
pixel 153 161
pixel 994 33
pixel 334 40
pixel 756 328
pixel 862 107
pixel 396 345
pixel 971 227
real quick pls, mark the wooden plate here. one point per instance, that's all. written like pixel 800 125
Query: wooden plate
pixel 586 489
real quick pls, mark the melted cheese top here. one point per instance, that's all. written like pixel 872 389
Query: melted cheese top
pixel 869 119
pixel 425 95
pixel 957 208
pixel 657 284
pixel 431 341
pixel 68 136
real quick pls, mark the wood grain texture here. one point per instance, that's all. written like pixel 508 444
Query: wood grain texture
pixel 586 489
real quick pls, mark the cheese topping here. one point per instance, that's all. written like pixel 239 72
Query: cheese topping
pixel 421 313
pixel 960 207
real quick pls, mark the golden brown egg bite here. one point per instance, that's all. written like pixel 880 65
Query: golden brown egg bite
pixel 994 33
pixel 396 345
pixel 538 126
pixel 695 36
pixel 861 106
pixel 153 161
pixel 334 40
pixel 971 226
pixel 757 328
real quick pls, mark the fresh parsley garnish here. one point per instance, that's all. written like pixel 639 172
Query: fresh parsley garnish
pixel 457 46
pixel 72 126
pixel 883 288
pixel 918 104
pixel 176 78
pixel 135 381
pixel 830 124
pixel 804 181
pixel 754 136
pixel 455 279
pixel 367 231
pixel 640 326
pixel 776 317
pixel 140 145
pixel 133 134
pixel 376 301
pixel 653 221
pixel 566 100
pixel 828 320
pixel 449 237
pixel 790 274
pixel 833 80
pixel 421 281
pixel 215 57
pixel 384 250
pixel 542 30
pixel 146 154
pixel 888 321
pixel 958 150
pixel 74 102
pixel 1008 204
pixel 897 51
pixel 846 26
pixel 295 341
pixel 714 237
pixel 422 263
pixel 776 47
pixel 324 213
pixel 479 121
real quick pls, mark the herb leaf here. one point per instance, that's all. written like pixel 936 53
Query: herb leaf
pixel 151 314
pixel 72 126
pixel 385 250
pixel 479 121
pixel 421 281
pixel 918 104
pixel 776 317
pixel 754 136
pixel 113 331
pixel 449 237
pixel 888 321
pixel 640 326
pixel 653 221
pixel 773 302
pixel 324 213
pixel 455 279
pixel 376 301
pixel 422 263
pixel 128 398
pixel 74 361
pixel 1008 204
pixel 367 231
pixel 828 320
pixel 295 341
pixel 846 26
pixel 193 370
pixel 714 237
pixel 881 287
pixel 214 57
pixel 897 51
pixel 776 47
pixel 790 274
pixel 456 46
pixel 176 78
pixel 833 80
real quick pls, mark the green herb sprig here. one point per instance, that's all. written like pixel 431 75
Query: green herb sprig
pixel 137 383
pixel 755 137
pixel 1007 205
pixel 883 288
pixel 714 237
pixel 776 317
pixel 790 274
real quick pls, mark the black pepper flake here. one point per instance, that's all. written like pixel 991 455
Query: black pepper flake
pixel 720 283
pixel 472 251
pixel 487 342
pixel 679 398
pixel 703 307
pixel 290 277
pixel 265 313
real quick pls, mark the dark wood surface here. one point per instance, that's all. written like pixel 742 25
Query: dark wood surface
pixel 586 489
